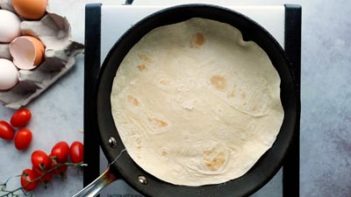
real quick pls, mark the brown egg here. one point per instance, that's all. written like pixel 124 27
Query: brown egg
pixel 30 9
pixel 27 52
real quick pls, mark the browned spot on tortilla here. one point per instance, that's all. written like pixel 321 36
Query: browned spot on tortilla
pixel 164 153
pixel 138 147
pixel 145 58
pixel 141 67
pixel 198 40
pixel 132 100
pixel 218 82
pixel 158 123
pixel 213 161
pixel 164 81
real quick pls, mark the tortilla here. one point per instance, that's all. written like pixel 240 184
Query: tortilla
pixel 195 104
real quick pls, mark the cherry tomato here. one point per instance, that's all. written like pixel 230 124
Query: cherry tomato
pixel 77 152
pixel 41 161
pixel 28 180
pixel 60 170
pixel 23 138
pixel 60 152
pixel 21 117
pixel 46 176
pixel 6 130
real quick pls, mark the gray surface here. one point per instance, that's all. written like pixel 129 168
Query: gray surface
pixel 326 112
pixel 57 115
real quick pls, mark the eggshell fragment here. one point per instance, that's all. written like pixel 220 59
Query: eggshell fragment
pixel 34 9
pixel 9 26
pixel 8 74
pixel 27 52
pixel 53 30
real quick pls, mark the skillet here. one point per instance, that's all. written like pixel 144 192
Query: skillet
pixel 112 144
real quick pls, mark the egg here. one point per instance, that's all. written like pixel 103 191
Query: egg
pixel 27 52
pixel 8 75
pixel 30 9
pixel 9 26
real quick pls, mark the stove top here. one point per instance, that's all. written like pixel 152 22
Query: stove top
pixel 106 23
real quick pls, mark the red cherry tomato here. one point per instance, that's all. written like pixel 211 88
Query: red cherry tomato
pixel 60 152
pixel 60 170
pixel 23 138
pixel 6 130
pixel 46 176
pixel 28 180
pixel 77 152
pixel 21 117
pixel 41 161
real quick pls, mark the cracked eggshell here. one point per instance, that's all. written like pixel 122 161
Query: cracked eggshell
pixel 27 52
pixel 53 30
pixel 8 75
pixel 9 26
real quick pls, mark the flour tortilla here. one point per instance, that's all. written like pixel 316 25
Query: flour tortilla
pixel 195 105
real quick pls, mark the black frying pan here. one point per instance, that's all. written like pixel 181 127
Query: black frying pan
pixel 112 145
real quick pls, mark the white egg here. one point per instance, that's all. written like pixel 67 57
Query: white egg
pixel 9 26
pixel 8 74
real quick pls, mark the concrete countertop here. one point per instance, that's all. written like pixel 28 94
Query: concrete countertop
pixel 326 92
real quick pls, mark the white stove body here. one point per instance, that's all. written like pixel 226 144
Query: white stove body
pixel 117 19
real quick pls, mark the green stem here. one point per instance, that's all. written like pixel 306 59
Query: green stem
pixel 57 167
pixel 12 192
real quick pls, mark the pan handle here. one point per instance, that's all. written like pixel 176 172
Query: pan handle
pixel 94 188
